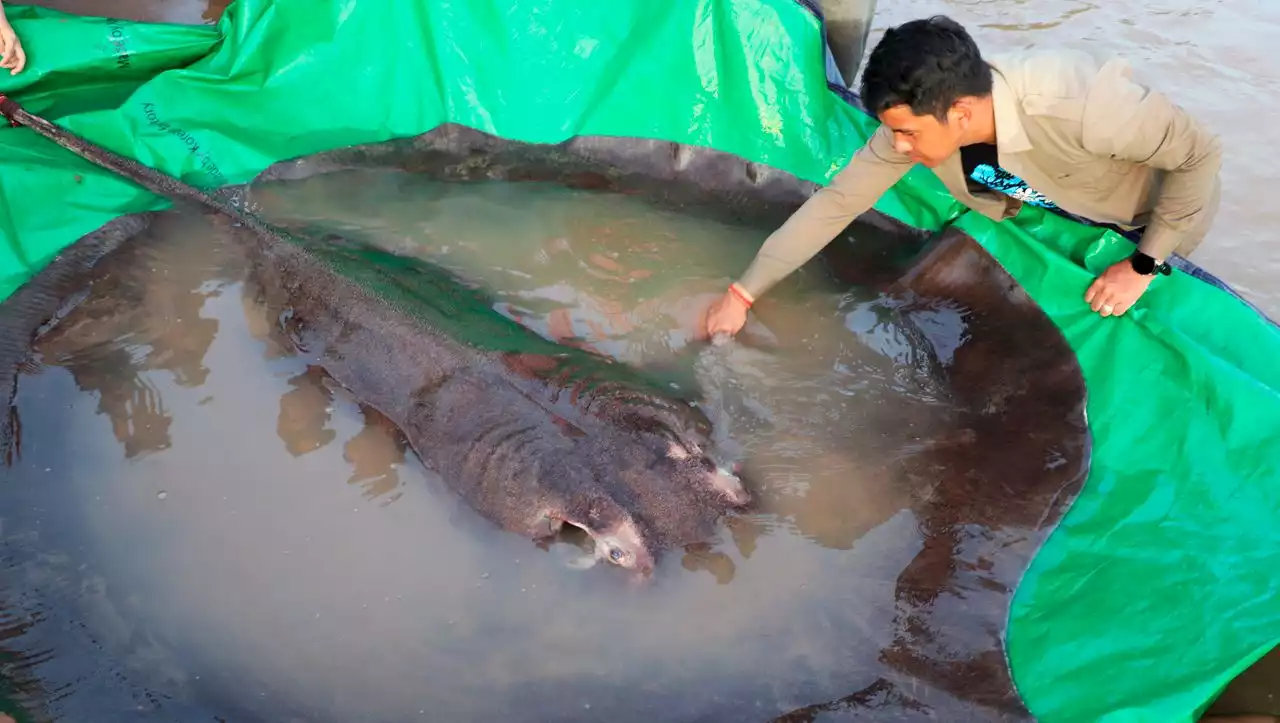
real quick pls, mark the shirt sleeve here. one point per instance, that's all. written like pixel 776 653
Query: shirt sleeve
pixel 1128 121
pixel 855 189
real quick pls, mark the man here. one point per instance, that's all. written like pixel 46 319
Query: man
pixel 1048 128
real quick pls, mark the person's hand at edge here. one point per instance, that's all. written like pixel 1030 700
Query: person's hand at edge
pixel 12 55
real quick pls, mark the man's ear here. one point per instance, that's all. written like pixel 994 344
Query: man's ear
pixel 961 113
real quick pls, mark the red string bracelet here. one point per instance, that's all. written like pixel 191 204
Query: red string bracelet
pixel 742 295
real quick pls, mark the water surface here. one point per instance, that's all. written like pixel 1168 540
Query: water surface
pixel 199 524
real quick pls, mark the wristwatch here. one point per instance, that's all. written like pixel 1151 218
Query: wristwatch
pixel 1146 265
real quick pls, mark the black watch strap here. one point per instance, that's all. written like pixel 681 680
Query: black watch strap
pixel 1147 266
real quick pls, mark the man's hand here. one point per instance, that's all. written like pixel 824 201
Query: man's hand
pixel 1117 289
pixel 727 315
pixel 12 56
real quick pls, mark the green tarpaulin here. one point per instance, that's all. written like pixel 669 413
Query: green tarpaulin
pixel 1156 589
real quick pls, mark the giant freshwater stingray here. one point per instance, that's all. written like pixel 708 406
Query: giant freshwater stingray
pixel 994 492
pixel 533 435
pixel 989 493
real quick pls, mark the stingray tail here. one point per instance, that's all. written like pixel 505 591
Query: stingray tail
pixel 149 178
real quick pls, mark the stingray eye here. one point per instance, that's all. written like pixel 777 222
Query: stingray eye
pixel 616 554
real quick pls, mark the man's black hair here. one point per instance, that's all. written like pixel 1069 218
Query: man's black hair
pixel 925 64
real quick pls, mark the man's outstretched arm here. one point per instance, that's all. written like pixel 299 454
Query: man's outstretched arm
pixel 869 174
pixel 855 189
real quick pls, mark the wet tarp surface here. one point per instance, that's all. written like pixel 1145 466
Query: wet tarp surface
pixel 1157 587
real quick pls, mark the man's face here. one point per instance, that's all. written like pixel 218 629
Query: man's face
pixel 924 138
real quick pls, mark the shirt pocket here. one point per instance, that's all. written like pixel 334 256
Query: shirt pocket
pixel 1092 173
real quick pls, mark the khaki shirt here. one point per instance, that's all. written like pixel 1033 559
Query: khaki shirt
pixel 1089 138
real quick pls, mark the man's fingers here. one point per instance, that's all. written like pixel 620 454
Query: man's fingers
pixel 1112 304
pixel 1100 297
pixel 22 60
pixel 719 326
pixel 708 325
pixel 1115 291
pixel 1103 302
pixel 1121 306
pixel 708 315
pixel 1094 288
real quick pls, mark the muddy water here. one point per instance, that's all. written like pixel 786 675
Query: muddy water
pixel 200 525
